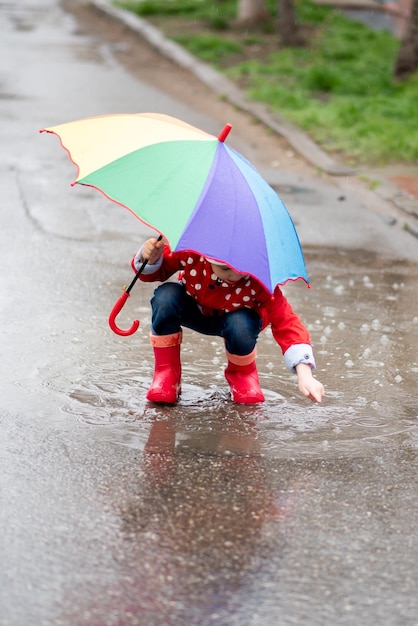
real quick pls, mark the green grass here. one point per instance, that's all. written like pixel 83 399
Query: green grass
pixel 194 9
pixel 339 88
pixel 210 48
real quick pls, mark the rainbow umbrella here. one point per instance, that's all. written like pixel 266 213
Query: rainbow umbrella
pixel 191 187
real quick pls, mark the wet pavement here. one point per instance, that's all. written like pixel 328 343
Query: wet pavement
pixel 115 512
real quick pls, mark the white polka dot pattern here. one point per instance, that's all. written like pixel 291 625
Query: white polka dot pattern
pixel 210 293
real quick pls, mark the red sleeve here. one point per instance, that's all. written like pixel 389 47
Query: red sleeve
pixel 286 326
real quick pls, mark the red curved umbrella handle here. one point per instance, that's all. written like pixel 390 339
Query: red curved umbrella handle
pixel 115 312
pixel 121 301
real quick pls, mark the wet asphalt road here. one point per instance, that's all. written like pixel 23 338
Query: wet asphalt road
pixel 114 512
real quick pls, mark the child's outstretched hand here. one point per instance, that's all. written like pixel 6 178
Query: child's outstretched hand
pixel 308 385
pixel 152 250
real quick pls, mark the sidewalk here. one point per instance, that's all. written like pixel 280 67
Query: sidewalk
pixel 397 185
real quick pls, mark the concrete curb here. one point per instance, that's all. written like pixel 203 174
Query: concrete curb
pixel 227 90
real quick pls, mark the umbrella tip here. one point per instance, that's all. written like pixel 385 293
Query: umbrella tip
pixel 224 132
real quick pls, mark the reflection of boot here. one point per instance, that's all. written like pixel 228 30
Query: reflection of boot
pixel 165 387
pixel 242 376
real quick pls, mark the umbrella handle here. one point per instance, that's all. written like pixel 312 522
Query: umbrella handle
pixel 121 301
pixel 115 312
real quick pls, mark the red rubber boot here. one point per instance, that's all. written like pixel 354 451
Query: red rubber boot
pixel 165 387
pixel 242 376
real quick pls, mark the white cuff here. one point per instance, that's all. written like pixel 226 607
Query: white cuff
pixel 150 268
pixel 299 353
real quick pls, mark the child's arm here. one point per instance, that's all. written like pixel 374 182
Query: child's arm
pixel 293 337
pixel 308 385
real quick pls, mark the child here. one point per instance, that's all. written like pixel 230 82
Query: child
pixel 213 299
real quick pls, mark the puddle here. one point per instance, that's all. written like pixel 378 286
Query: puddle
pixel 363 322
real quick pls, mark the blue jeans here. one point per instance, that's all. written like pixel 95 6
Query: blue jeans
pixel 173 308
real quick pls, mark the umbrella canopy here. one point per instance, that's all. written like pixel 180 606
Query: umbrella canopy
pixel 191 187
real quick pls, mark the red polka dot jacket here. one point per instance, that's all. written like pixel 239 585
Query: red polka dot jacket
pixel 215 296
